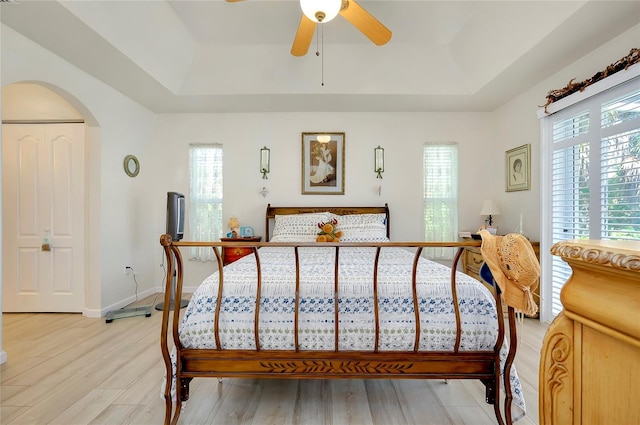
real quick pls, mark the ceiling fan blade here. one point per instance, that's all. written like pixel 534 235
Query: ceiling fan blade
pixel 365 22
pixel 303 37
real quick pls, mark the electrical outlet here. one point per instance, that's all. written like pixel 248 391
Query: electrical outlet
pixel 126 269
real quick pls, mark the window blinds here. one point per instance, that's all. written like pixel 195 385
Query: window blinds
pixel 440 194
pixel 205 200
pixel 594 188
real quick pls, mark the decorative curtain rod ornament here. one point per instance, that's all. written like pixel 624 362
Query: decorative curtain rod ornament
pixel 554 95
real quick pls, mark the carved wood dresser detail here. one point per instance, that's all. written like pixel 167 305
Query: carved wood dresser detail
pixel 590 357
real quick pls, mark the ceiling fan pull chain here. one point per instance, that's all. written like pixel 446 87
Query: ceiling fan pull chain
pixel 322 54
pixel 320 49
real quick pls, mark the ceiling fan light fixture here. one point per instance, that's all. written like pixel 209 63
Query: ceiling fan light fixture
pixel 320 11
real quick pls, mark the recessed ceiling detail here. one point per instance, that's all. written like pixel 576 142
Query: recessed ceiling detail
pixel 217 56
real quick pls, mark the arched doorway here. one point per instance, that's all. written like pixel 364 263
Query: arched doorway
pixel 44 249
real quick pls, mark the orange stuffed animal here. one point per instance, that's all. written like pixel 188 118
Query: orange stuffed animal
pixel 328 232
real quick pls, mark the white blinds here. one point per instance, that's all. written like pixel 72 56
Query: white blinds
pixel 440 194
pixel 594 187
pixel 620 167
pixel 205 197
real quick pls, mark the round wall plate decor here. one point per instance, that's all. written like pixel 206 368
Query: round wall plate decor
pixel 131 165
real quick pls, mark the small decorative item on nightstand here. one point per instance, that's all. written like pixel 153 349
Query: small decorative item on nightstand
pixel 234 225
pixel 234 253
pixel 246 231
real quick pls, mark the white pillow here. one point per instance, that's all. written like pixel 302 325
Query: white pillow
pixel 298 227
pixel 362 227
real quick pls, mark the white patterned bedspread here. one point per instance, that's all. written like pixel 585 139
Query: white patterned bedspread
pixel 356 311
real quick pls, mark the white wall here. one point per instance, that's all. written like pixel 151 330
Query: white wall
pixel 402 135
pixel 28 101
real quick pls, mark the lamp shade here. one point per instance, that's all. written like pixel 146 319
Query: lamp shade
pixel 489 207
pixel 320 10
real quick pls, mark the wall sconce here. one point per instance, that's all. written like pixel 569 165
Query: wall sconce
pixel 378 155
pixel 265 161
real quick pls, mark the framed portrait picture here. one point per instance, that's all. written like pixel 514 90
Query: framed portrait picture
pixel 518 168
pixel 323 163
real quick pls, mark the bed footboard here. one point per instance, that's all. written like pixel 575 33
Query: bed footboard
pixel 333 364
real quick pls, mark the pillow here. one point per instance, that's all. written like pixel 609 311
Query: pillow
pixel 298 227
pixel 362 227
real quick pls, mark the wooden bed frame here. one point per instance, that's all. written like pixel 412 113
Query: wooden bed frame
pixel 301 364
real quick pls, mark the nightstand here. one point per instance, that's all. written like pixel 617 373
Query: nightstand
pixel 472 261
pixel 234 253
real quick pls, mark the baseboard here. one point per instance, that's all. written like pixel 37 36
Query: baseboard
pixel 87 312
pixel 3 357
pixel 120 304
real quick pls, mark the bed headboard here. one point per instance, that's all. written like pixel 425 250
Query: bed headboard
pixel 272 211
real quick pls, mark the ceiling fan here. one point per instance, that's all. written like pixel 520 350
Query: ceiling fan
pixel 322 11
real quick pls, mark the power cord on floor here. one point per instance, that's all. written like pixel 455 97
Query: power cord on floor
pixel 129 312
pixel 135 281
pixel 133 272
pixel 155 298
pixel 164 280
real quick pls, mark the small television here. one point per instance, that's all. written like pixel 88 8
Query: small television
pixel 175 215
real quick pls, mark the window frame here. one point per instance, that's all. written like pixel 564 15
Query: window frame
pixel 591 102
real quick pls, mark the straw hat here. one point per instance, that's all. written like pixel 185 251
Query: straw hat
pixel 514 267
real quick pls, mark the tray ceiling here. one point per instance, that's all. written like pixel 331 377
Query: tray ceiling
pixel 215 56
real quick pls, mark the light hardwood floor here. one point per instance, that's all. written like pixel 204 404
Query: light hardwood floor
pixel 72 370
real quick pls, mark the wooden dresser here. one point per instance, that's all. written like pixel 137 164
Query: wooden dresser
pixel 590 357
pixel 234 253
pixel 472 261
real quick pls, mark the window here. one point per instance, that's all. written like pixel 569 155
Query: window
pixel 440 194
pixel 594 187
pixel 205 197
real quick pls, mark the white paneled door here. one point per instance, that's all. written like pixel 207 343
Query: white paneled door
pixel 43 217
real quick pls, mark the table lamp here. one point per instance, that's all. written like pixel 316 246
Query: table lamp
pixel 234 225
pixel 490 208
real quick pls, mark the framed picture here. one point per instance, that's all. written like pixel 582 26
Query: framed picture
pixel 323 163
pixel 518 168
